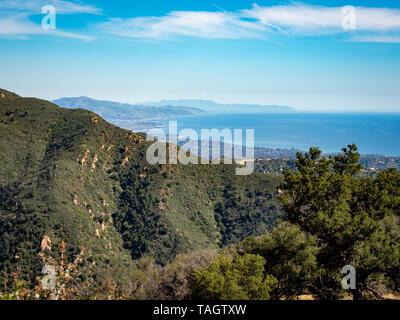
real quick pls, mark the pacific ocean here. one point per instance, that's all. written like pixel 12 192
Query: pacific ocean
pixel 373 133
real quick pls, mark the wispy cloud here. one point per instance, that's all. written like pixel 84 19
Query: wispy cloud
pixel 257 22
pixel 15 18
pixel 35 6
pixel 19 26
pixel 380 25
pixel 202 24
pixel 299 18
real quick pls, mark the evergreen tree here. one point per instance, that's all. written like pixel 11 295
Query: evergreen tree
pixel 354 219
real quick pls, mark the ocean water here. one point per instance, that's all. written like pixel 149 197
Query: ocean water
pixel 373 133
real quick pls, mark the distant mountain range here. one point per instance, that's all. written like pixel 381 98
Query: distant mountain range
pixel 214 107
pixel 111 110
pixel 142 116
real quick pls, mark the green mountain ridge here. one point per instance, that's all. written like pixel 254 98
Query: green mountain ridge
pixel 71 176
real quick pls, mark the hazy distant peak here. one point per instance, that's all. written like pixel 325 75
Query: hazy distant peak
pixel 111 110
pixel 215 107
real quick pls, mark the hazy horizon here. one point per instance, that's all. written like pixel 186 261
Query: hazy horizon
pixel 327 110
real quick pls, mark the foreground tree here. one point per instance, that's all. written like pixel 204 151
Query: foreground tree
pixel 290 256
pixel 240 277
pixel 353 218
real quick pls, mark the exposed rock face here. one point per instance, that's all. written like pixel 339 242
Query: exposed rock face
pixel 46 243
pixel 94 119
pixel 124 162
pixel 95 159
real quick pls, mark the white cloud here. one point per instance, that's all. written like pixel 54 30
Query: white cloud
pixel 201 24
pixel 15 22
pixel 377 19
pixel 35 6
pixel 257 22
pixel 19 26
pixel 304 19
pixel 298 18
pixel 372 24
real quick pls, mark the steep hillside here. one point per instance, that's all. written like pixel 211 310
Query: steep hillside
pixel 71 176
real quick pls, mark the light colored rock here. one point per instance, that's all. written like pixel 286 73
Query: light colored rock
pixel 46 243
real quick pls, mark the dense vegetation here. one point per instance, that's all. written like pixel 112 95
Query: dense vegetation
pixel 335 218
pixel 355 219
pixel 77 193
pixel 68 175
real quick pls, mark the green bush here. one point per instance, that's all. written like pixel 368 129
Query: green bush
pixel 239 278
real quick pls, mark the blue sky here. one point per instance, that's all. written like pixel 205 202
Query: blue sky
pixel 310 55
